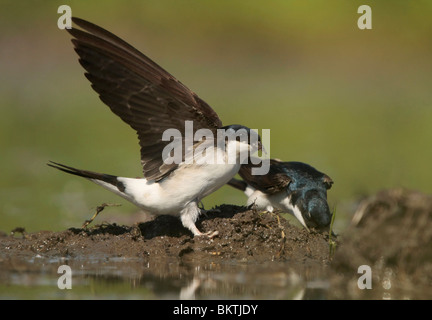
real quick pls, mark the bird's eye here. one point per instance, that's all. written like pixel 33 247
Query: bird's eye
pixel 241 135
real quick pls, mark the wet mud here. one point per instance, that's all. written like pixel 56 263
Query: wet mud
pixel 391 232
pixel 244 235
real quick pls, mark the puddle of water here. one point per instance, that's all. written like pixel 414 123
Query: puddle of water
pixel 133 278
pixel 120 278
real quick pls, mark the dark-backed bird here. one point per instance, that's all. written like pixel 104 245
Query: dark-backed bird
pixel 292 187
pixel 152 102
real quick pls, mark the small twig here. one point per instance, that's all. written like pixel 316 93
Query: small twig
pixel 201 205
pixel 98 210
pixel 253 207
pixel 282 235
pixel 332 244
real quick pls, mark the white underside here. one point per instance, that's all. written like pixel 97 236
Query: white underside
pixel 187 184
pixel 180 192
pixel 278 201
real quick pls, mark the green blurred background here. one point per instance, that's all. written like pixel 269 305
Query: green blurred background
pixel 356 104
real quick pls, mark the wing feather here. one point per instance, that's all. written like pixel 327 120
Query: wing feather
pixel 140 92
pixel 274 181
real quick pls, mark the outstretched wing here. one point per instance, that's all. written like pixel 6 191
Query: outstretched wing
pixel 274 181
pixel 140 92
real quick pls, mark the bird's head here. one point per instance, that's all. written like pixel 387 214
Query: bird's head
pixel 240 141
pixel 308 190
pixel 314 208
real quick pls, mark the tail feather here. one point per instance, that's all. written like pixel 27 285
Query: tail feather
pixel 94 176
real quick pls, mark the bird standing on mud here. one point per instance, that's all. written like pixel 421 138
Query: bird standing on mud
pixel 152 101
pixel 293 187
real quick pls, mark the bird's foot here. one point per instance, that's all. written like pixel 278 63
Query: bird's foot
pixel 209 234
pixel 189 215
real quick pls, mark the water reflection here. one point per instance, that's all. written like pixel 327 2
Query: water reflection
pixel 136 279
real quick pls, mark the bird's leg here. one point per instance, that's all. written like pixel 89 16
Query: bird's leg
pixel 189 215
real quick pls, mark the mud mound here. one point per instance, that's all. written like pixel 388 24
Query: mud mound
pixel 392 233
pixel 244 235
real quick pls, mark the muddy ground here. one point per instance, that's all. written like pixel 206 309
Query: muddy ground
pixel 391 232
pixel 244 235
